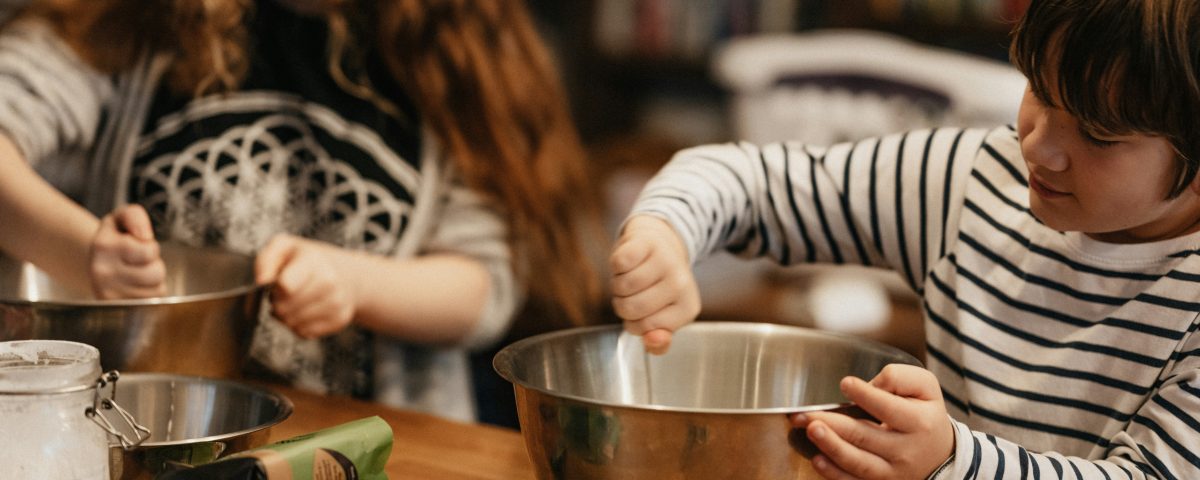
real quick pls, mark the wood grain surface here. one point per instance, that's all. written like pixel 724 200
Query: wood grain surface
pixel 423 446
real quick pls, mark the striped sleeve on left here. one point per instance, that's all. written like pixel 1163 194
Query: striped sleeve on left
pixel 890 201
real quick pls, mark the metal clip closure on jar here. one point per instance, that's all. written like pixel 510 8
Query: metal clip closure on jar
pixel 50 392
pixel 141 433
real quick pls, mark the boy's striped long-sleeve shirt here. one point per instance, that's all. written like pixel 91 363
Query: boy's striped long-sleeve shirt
pixel 1059 356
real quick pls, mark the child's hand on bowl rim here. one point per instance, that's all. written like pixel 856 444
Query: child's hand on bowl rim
pixel 912 438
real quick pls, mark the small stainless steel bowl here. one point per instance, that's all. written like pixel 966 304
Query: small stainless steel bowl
pixel 593 405
pixel 192 420
pixel 203 325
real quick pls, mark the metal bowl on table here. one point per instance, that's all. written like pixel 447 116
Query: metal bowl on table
pixel 202 326
pixel 192 421
pixel 593 405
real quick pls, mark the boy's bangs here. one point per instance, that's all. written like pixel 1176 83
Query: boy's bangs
pixel 1091 59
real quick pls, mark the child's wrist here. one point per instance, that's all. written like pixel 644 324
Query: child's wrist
pixel 945 466
pixel 937 471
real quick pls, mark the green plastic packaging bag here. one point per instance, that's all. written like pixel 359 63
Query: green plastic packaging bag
pixel 356 450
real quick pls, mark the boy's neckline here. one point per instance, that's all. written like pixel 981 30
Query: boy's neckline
pixel 1126 253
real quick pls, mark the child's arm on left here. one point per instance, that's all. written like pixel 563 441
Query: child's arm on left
pixel 319 289
pixel 461 289
pixel 41 225
pixel 113 258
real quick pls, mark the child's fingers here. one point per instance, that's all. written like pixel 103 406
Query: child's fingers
pixel 849 458
pixel 656 329
pixel 898 412
pixel 108 238
pixel 311 331
pixel 111 245
pixel 152 275
pixel 669 318
pixel 863 434
pixel 134 220
pixel 286 297
pixel 635 280
pixel 646 302
pixel 908 381
pixel 628 255
pixel 301 279
pixel 325 320
pixel 272 258
pixel 111 288
pixel 108 227
pixel 321 313
pixel 139 253
pixel 830 470
pixel 132 283
pixel 112 279
pixel 657 341
pixel 298 314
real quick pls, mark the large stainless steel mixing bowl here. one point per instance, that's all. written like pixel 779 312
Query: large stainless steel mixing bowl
pixel 201 327
pixel 593 405
pixel 192 420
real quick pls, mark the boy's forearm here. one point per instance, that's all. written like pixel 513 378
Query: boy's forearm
pixel 40 224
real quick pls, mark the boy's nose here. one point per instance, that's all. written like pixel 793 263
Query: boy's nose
pixel 1041 148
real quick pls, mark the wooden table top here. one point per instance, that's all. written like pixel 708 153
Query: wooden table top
pixel 423 446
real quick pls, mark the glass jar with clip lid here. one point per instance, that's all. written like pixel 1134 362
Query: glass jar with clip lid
pixel 54 412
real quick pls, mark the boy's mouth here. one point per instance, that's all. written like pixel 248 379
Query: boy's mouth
pixel 1044 191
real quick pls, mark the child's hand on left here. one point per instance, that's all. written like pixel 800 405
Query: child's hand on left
pixel 913 437
pixel 125 259
pixel 309 293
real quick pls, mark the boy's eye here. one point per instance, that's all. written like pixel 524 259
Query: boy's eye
pixel 1094 140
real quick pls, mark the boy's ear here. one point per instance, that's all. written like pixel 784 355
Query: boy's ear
pixel 1195 185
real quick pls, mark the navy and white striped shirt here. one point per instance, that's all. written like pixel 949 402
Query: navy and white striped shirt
pixel 1059 356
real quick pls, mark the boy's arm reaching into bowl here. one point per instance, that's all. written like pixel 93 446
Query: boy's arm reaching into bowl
pixel 653 287
pixel 1058 355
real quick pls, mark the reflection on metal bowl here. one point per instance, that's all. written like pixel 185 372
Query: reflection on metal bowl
pixel 202 326
pixel 192 420
pixel 593 405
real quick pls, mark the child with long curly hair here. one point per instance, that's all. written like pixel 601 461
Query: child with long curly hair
pixel 406 171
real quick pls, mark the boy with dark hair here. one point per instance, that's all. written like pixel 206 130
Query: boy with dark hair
pixel 1058 261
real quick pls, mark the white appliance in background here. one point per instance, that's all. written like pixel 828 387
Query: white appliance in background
pixel 827 86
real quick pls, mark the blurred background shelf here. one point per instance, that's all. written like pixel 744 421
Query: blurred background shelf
pixel 618 56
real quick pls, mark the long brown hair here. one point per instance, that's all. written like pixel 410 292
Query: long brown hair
pixel 477 70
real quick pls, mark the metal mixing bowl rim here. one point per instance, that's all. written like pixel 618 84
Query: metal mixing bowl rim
pixel 285 406
pixel 138 302
pixel 506 372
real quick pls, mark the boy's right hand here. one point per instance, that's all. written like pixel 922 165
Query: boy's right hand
pixel 654 290
pixel 125 259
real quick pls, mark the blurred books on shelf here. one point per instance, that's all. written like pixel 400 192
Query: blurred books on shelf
pixel 689 29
